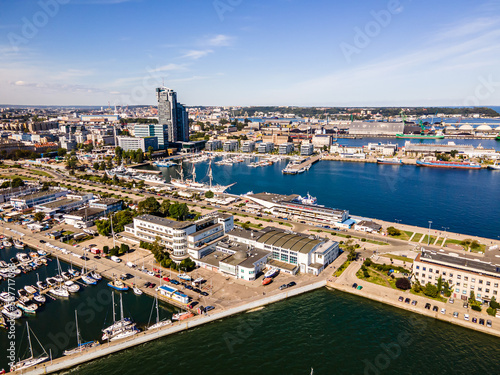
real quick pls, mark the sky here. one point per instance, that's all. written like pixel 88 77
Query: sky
pixel 251 52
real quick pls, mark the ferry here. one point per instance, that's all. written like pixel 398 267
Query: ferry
pixel 449 164
pixel 389 161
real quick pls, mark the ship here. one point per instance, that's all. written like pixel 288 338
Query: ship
pixel 449 164
pixel 308 199
pixel 164 163
pixel 389 161
pixel 192 184
pixel 495 166
pixel 422 134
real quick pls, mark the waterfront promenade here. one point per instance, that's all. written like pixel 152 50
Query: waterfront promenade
pixel 390 296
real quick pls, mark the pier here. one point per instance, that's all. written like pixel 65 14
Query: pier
pixel 302 166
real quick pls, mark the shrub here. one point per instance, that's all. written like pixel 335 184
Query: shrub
pixel 105 249
pixel 491 311
pixel 431 290
pixel 403 283
pixel 363 240
pixel 391 231
pixel 476 307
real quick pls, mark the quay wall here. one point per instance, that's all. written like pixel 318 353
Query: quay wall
pixel 143 337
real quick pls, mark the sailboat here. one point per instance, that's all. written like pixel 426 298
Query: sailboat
pixel 191 183
pixel 86 278
pixel 158 323
pixel 122 328
pixel 31 360
pixel 80 346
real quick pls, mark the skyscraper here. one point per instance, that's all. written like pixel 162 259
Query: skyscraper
pixel 172 114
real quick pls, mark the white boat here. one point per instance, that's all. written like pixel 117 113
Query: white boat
pixel 31 360
pixel 41 252
pixel 89 280
pixel 11 311
pixel 6 244
pixel 71 286
pixel 28 308
pixel 95 275
pixel 164 164
pixel 159 323
pixel 80 346
pixel 58 278
pixel 125 332
pixel 7 297
pixel 137 291
pixel 30 289
pixel 184 276
pixel 40 298
pixel 118 326
pixel 18 244
pixel 308 199
pixel 73 272
pixel 51 281
pixel 41 285
pixel 495 166
pixel 23 258
pixel 272 273
pixel 59 292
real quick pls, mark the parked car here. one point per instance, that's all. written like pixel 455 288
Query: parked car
pixel 407 300
pixel 147 284
pixel 152 285
pixel 481 321
pixel 175 282
pixel 284 286
pixel 355 285
pixel 166 279
pixel 455 314
pixel 192 304
pixel 443 310
pixel 435 308
pixel 466 317
pixel 209 308
pixel 488 323
pixel 293 283
pixel 474 320
pixel 414 302
pixel 451 300
pixel 428 306
pixel 204 294
pixel 400 299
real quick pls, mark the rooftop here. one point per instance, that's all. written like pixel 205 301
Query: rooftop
pixel 37 195
pixel 164 222
pixel 460 261
pixel 59 203
pixel 107 201
pixel 291 241
pixel 89 212
pixel 274 198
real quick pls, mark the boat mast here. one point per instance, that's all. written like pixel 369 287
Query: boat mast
pixel 194 173
pixel 113 299
pixel 121 306
pixel 181 173
pixel 77 332
pixel 29 340
pixel 157 311
pixel 210 176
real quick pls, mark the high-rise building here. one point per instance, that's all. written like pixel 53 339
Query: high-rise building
pixel 172 114
pixel 153 130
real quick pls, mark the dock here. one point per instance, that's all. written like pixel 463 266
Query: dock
pixel 302 166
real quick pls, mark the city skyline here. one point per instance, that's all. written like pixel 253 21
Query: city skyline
pixel 384 53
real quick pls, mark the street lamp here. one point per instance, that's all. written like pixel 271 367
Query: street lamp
pixel 445 229
pixel 429 236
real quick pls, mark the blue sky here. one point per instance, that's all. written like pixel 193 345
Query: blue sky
pixel 251 52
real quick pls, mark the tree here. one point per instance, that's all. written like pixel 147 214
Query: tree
pixel 139 157
pixel 39 216
pixel 164 207
pixel 431 290
pixel 105 249
pixel 102 166
pixel 187 265
pixel 61 151
pixel 72 162
pixel 103 227
pixel 439 284
pixel 403 283
pixel 150 150
pixel 391 231
pixel 96 166
pixel 494 304
pixel 209 194
pixel 453 153
pixel 109 164
pixel 149 206
pixel 16 182
pixel 178 211
pixel 119 152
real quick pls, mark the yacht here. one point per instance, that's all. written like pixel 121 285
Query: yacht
pixel 164 164
pixel 71 286
pixel 51 281
pixel 41 285
pixel 7 297
pixel 6 243
pixel 159 323
pixel 73 272
pixel 31 360
pixel 89 280
pixel 30 289
pixel 40 298
pixel 22 257
pixel 95 275
pixel 137 291
pixel 80 345
pixel 18 244
pixel 118 285
pixel 59 292
pixel 123 328
pixel 495 166
pixel 11 311
pixel 28 308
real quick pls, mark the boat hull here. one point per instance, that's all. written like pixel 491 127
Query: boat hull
pixel 119 288
pixel 410 136
pixel 447 165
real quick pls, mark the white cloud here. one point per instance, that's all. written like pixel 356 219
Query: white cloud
pixel 220 41
pixel 196 54
pixel 168 67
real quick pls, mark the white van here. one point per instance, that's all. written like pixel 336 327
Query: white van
pixel 115 259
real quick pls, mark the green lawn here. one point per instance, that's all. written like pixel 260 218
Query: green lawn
pixel 398 257
pixel 342 268
pixel 377 242
pixel 12 176
pixel 40 173
pixel 481 247
pixel 405 235
pixel 417 237
pixel 378 278
pixel 426 237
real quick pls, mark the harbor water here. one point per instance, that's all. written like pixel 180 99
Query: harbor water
pixel 328 331
pixel 462 201
pixel 54 322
